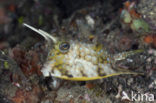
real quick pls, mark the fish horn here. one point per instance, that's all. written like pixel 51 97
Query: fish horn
pixel 46 35
pixel 124 55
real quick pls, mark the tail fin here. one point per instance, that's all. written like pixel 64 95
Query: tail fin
pixel 124 55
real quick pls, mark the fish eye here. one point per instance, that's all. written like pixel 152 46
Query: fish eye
pixel 64 47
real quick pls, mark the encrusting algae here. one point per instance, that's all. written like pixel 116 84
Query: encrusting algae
pixel 80 61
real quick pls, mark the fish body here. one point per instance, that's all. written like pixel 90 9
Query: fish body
pixel 80 61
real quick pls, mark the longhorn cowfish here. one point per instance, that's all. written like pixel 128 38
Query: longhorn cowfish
pixel 80 61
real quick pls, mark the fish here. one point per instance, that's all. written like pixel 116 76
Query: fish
pixel 80 61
